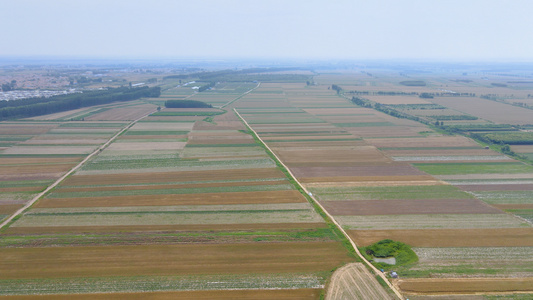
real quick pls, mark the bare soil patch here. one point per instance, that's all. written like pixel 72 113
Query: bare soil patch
pixel 423 286
pixel 493 237
pixel 423 142
pixel 8 209
pixel 260 197
pixel 56 262
pixel 295 294
pixel 409 206
pixel 35 169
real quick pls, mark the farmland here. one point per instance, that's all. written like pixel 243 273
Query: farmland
pixel 186 202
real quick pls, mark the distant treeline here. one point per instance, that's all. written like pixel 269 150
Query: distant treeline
pixel 41 106
pixel 413 83
pixel 252 74
pixel 186 104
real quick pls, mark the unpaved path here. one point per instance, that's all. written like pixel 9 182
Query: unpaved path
pixel 376 271
pixel 53 185
pixel 354 281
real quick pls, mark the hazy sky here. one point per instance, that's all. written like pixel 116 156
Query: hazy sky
pixel 327 29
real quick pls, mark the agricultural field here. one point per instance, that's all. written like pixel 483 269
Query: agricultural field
pixel 178 204
pixel 383 177
pixel 188 203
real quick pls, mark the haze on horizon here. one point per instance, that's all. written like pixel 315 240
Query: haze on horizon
pixel 456 30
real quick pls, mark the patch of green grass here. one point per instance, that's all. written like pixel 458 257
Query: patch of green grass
pixel 24 183
pixel 403 253
pixel 474 168
pixel 220 145
pixel 166 163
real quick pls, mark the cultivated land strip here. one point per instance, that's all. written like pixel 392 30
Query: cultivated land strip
pixel 57 182
pixel 244 94
pixel 376 271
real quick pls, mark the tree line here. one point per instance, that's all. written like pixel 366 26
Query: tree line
pixel 41 106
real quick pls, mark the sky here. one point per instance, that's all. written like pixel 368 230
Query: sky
pixel 457 30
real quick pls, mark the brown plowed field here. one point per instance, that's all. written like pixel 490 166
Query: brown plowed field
pixel 280 294
pixel 22 189
pixel 496 187
pixel 408 206
pixel 513 206
pixel 39 176
pixel 495 237
pixel 159 228
pixel 25 129
pixel 138 178
pixel 465 285
pixel 261 197
pixel 9 208
pixel 362 169
pixel 33 169
pixel 171 186
pixel 37 160
pixel 154 260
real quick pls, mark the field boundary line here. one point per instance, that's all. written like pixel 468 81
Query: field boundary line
pixel 244 94
pixel 58 181
pixel 310 195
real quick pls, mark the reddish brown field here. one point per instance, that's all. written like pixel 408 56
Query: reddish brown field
pixel 281 294
pixel 496 187
pixel 171 186
pixel 139 178
pixel 465 285
pixel 496 237
pixel 260 197
pixel 154 260
pixel 409 207
pixel 440 152
pixel 161 228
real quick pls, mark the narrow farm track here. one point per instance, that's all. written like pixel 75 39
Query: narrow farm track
pixel 53 185
pixel 374 269
pixel 244 94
